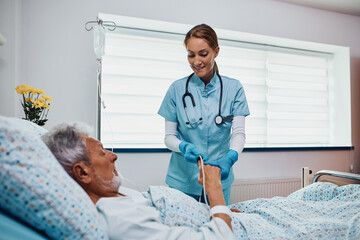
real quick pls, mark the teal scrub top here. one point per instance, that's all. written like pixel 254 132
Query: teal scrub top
pixel 210 139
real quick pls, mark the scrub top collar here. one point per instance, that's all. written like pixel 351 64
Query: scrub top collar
pixel 210 86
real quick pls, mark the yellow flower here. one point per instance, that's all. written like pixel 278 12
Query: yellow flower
pixel 40 91
pixel 18 90
pixel 41 101
pixel 36 110
pixel 33 90
pixel 23 89
pixel 38 104
pixel 46 98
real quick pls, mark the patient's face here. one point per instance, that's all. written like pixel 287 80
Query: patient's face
pixel 103 172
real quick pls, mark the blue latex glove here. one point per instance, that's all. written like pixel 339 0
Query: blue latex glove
pixel 225 163
pixel 190 152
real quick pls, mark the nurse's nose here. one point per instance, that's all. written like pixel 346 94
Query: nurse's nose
pixel 197 61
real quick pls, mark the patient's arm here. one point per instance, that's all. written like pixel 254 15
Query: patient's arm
pixel 214 189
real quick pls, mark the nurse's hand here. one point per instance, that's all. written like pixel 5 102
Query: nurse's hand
pixel 225 163
pixel 190 152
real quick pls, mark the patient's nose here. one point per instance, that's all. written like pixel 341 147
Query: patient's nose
pixel 113 156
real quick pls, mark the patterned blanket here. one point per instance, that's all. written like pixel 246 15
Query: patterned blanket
pixel 318 211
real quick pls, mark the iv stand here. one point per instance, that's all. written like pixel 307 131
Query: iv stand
pixel 110 26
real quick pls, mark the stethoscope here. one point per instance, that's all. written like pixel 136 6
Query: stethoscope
pixel 218 119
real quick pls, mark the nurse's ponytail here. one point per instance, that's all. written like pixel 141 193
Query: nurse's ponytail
pixel 205 32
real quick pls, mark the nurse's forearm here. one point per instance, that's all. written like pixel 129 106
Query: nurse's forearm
pixel 171 140
pixel 237 141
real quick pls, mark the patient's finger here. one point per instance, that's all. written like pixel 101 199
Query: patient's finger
pixel 200 178
pixel 235 210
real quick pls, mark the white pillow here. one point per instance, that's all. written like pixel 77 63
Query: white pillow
pixel 35 187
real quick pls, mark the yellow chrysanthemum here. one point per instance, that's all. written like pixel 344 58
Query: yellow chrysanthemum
pixel 22 89
pixel 41 100
pixel 46 98
pixel 33 90
pixel 38 104
pixel 36 110
pixel 40 91
pixel 18 90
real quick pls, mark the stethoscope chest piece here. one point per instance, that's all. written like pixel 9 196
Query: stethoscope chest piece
pixel 218 120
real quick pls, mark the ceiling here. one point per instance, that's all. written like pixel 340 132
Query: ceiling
pixel 351 7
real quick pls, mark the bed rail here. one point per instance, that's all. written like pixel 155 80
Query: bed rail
pixel 347 175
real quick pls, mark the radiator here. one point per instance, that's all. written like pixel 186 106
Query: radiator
pixel 243 190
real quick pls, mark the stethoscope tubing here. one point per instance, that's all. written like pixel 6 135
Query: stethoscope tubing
pixel 218 119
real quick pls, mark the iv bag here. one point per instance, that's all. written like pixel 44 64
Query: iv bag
pixel 99 41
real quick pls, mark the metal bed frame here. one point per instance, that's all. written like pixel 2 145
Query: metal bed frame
pixel 347 175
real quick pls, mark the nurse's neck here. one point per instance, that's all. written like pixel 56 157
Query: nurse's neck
pixel 206 79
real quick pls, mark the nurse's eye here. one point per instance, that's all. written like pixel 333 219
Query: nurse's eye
pixel 191 55
pixel 203 54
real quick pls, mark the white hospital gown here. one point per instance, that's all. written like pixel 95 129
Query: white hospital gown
pixel 134 217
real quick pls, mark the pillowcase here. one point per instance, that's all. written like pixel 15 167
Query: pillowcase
pixel 35 187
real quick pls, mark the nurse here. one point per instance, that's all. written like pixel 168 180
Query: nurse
pixel 204 115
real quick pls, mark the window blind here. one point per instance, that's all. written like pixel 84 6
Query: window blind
pixel 287 89
pixel 137 69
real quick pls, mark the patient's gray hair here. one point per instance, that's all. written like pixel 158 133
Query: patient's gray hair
pixel 67 143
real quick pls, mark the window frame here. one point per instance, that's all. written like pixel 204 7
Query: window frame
pixel 341 61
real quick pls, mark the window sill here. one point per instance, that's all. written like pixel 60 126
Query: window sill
pixel 252 149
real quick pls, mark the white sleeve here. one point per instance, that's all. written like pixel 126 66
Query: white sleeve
pixel 127 220
pixel 237 141
pixel 171 140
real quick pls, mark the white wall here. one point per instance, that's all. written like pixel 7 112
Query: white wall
pixel 49 48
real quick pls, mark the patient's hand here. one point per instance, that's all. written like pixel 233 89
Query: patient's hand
pixel 212 175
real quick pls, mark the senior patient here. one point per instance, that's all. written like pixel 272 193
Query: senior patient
pixel 129 216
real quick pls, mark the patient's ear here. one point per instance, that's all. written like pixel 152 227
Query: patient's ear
pixel 81 173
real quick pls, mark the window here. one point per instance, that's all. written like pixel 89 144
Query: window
pixel 298 92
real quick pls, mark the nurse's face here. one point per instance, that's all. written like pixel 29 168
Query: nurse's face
pixel 201 58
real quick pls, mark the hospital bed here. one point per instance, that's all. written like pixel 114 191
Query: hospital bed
pixel 40 201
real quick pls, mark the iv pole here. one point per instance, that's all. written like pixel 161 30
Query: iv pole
pixel 99 41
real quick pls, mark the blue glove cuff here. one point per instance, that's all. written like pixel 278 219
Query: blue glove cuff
pixel 182 146
pixel 233 155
